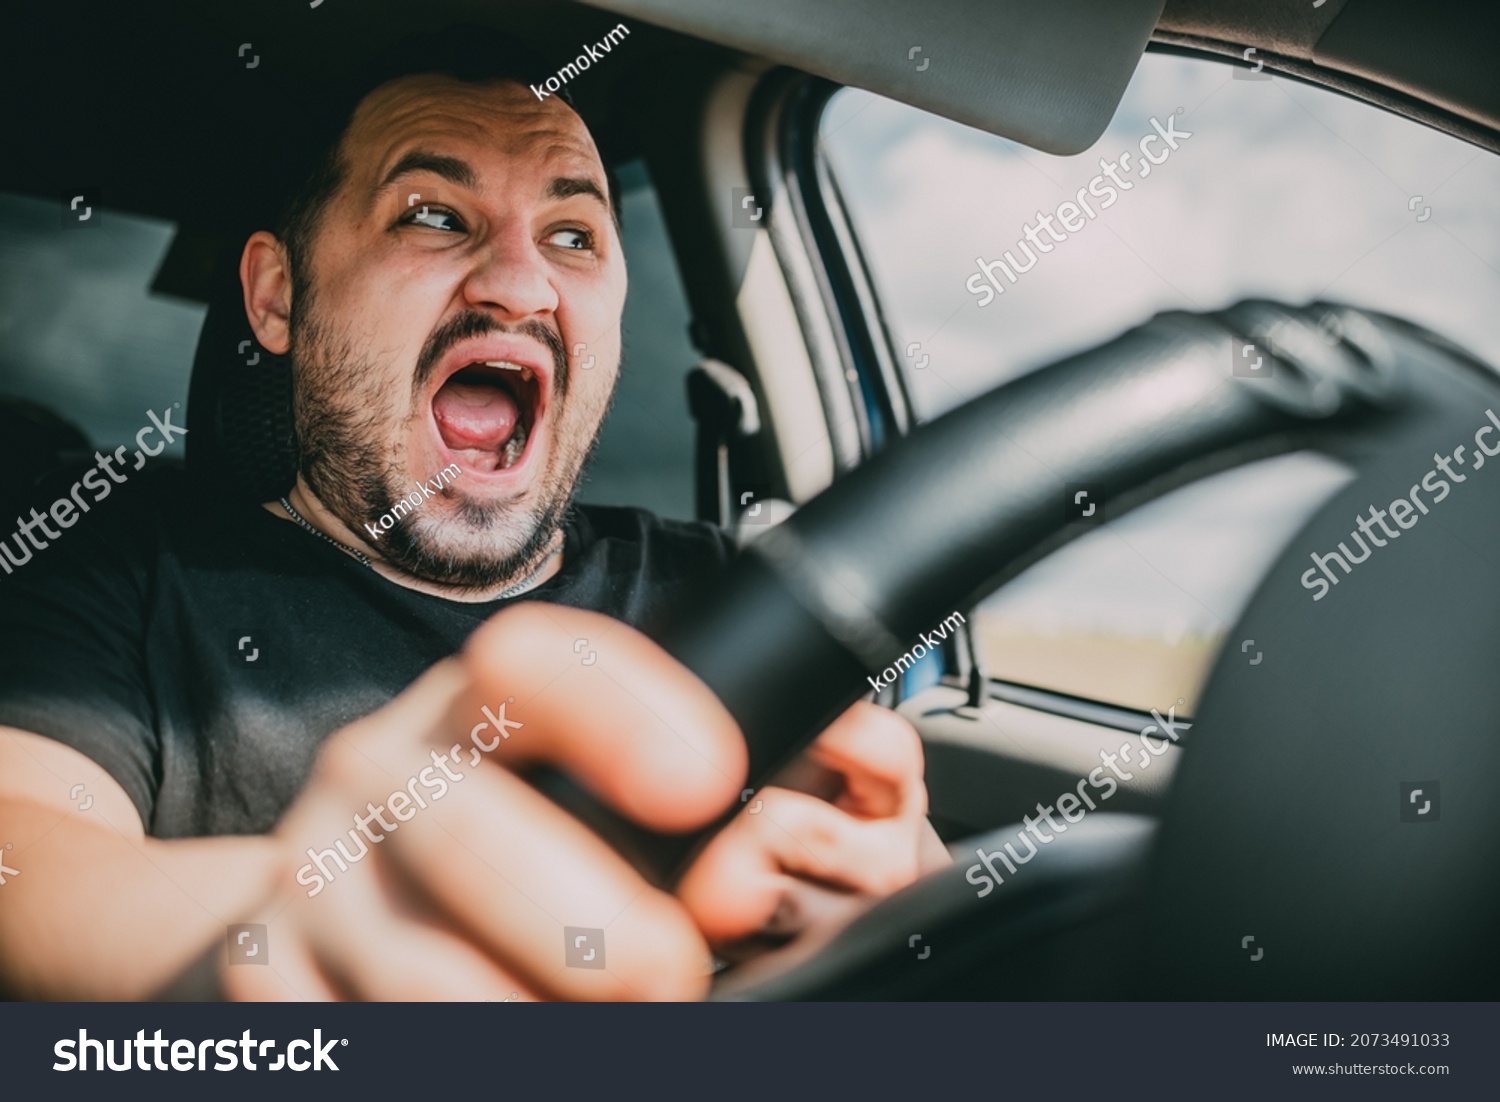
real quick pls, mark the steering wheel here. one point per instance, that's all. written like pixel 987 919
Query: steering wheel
pixel 942 518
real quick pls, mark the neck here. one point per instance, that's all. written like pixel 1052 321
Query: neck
pixel 546 563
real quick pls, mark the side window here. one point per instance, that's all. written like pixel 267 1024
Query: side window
pixel 81 333
pixel 1209 186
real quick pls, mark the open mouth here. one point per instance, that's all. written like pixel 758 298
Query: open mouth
pixel 486 412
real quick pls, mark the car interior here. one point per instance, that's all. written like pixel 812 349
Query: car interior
pixel 777 162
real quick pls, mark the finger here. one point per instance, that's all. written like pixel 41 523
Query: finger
pixel 747 874
pixel 374 946
pixel 879 756
pixel 346 929
pixel 511 871
pixel 291 976
pixel 633 725
pixel 807 837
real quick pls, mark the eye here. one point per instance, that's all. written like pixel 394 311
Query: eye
pixel 438 218
pixel 572 239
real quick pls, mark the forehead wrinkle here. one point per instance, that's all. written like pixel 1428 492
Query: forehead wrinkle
pixel 443 109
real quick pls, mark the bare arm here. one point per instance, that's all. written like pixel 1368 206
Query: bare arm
pixel 95 909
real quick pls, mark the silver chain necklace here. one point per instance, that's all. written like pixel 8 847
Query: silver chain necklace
pixel 527 583
pixel 530 582
pixel 355 553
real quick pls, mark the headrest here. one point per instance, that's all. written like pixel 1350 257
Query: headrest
pixel 239 417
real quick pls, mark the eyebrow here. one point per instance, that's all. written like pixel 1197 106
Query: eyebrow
pixel 460 172
pixel 565 187
pixel 453 169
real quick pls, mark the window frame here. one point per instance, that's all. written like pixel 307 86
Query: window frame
pixel 865 399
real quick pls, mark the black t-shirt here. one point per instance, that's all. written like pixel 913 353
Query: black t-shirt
pixel 200 651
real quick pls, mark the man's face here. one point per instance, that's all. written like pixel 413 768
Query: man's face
pixel 468 251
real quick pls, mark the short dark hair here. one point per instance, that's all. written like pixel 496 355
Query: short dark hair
pixel 469 53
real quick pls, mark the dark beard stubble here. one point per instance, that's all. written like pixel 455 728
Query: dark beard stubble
pixel 337 404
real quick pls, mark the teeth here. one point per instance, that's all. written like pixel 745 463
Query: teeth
pixel 506 365
pixel 513 448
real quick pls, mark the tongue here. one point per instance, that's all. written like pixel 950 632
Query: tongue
pixel 475 415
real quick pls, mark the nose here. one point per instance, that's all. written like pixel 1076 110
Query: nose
pixel 511 275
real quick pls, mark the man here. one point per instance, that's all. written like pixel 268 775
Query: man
pixel 222 715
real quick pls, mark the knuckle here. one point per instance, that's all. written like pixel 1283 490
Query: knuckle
pixel 822 833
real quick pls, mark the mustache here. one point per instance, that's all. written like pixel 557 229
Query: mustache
pixel 472 323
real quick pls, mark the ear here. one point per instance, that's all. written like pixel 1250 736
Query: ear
pixel 266 279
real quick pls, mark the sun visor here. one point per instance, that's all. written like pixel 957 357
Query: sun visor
pixel 1047 73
